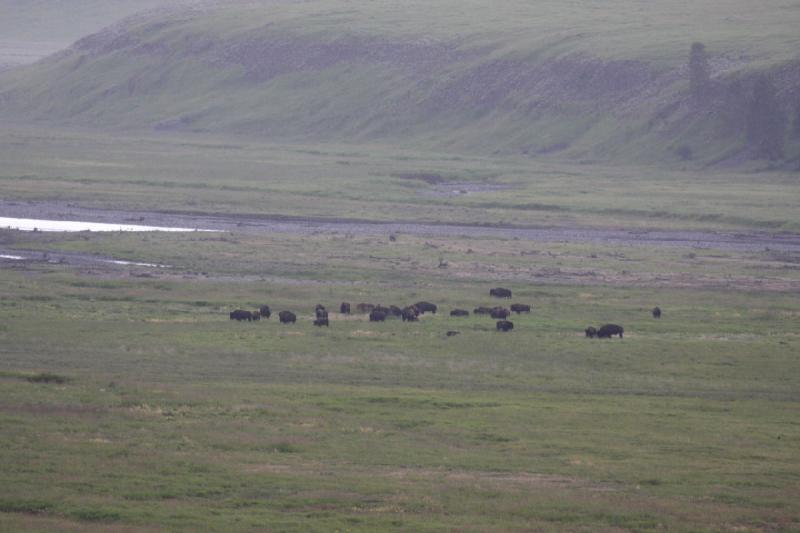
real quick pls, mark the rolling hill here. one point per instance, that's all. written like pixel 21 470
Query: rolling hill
pixel 579 80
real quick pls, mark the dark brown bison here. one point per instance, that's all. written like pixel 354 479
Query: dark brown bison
pixel 382 309
pixel 482 310
pixel 287 317
pixel 504 325
pixel 452 333
pixel 265 312
pixel 377 316
pixel 410 314
pixel 459 312
pixel 256 315
pixel 425 307
pixel 395 311
pixel 521 308
pixel 606 331
pixel 364 308
pixel 499 292
pixel 241 314
pixel 321 312
pixel 344 308
pixel 591 332
pixel 499 312
pixel 322 322
pixel 656 312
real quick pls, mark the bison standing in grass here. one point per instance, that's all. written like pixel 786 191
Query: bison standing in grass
pixel 410 314
pixel 425 307
pixel 459 312
pixel 241 314
pixel 500 292
pixel 344 308
pixel 521 308
pixel 656 312
pixel 287 317
pixel 608 330
pixel 504 325
pixel 265 311
pixel 499 312
pixel 377 316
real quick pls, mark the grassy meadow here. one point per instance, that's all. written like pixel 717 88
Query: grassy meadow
pixel 134 403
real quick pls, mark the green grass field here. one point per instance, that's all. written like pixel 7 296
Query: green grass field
pixel 171 416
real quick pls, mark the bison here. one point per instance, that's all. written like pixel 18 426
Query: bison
pixel 459 312
pixel 606 331
pixel 656 312
pixel 377 316
pixel 287 317
pixel 591 332
pixel 344 308
pixel 395 311
pixel 499 292
pixel 255 315
pixel 322 322
pixel 499 312
pixel 410 314
pixel 521 308
pixel 504 325
pixel 424 307
pixel 364 308
pixel 452 333
pixel 241 314
pixel 265 312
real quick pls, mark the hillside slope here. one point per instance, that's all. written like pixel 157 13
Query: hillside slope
pixel 534 78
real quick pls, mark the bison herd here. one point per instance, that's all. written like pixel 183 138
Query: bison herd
pixel 411 313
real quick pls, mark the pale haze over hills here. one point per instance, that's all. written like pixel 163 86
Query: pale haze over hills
pixel 578 80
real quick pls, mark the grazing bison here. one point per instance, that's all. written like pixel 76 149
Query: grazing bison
pixel 395 311
pixel 344 308
pixel 521 308
pixel 499 312
pixel 499 292
pixel 453 333
pixel 482 310
pixel 459 312
pixel 364 308
pixel 504 325
pixel 590 332
pixel 287 317
pixel 605 332
pixel 410 314
pixel 265 312
pixel 377 316
pixel 241 314
pixel 424 307
pixel 656 312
